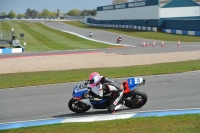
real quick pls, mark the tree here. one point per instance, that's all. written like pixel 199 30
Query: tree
pixel 28 12
pixel 45 13
pixel 20 15
pixel 74 12
pixel 31 13
pixel 3 13
pixel 89 12
pixel 119 1
pixel 40 14
pixel 55 14
pixel 51 14
pixel 11 14
pixel 93 12
pixel 34 13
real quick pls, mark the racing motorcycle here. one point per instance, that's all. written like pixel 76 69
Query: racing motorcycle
pixel 83 97
pixel 119 40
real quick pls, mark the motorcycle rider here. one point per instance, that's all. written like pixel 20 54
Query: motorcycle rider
pixel 90 34
pixel 119 39
pixel 99 84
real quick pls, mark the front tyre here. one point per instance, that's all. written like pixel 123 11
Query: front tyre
pixel 77 106
pixel 135 99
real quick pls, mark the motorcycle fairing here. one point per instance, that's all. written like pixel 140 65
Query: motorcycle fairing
pixel 132 83
pixel 100 104
pixel 96 104
pixel 78 93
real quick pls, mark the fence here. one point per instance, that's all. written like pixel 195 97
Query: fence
pixel 5 37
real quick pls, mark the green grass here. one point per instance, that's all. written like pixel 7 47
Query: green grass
pixel 139 33
pixel 4 26
pixel 53 77
pixel 39 37
pixel 167 124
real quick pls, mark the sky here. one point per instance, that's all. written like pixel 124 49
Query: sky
pixel 20 6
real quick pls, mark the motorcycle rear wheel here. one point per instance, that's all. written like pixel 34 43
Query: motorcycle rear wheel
pixel 136 99
pixel 77 106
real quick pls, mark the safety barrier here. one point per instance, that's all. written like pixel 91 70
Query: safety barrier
pixel 125 27
pixel 12 50
pixel 182 32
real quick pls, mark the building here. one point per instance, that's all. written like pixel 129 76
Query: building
pixel 163 14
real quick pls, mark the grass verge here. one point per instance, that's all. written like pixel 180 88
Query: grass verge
pixel 140 33
pixel 167 124
pixel 4 26
pixel 53 77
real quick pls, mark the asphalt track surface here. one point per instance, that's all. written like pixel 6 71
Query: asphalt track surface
pixel 175 91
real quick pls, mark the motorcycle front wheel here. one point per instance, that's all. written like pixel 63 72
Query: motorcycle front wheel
pixel 77 106
pixel 135 99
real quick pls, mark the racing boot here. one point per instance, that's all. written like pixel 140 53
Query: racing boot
pixel 114 103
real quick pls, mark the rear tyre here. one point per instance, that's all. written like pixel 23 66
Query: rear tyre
pixel 135 99
pixel 77 106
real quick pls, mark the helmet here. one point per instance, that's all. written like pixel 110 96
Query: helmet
pixel 96 77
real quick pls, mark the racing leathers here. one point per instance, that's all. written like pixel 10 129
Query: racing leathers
pixel 109 85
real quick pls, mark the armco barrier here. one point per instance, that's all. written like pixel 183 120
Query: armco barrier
pixel 126 27
pixel 182 32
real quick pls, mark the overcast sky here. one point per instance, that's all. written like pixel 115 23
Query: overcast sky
pixel 20 6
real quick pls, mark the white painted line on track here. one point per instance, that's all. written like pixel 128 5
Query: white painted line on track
pixel 98 118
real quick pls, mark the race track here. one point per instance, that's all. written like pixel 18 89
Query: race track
pixel 173 91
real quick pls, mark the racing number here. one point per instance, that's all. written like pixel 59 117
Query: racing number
pixel 137 80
